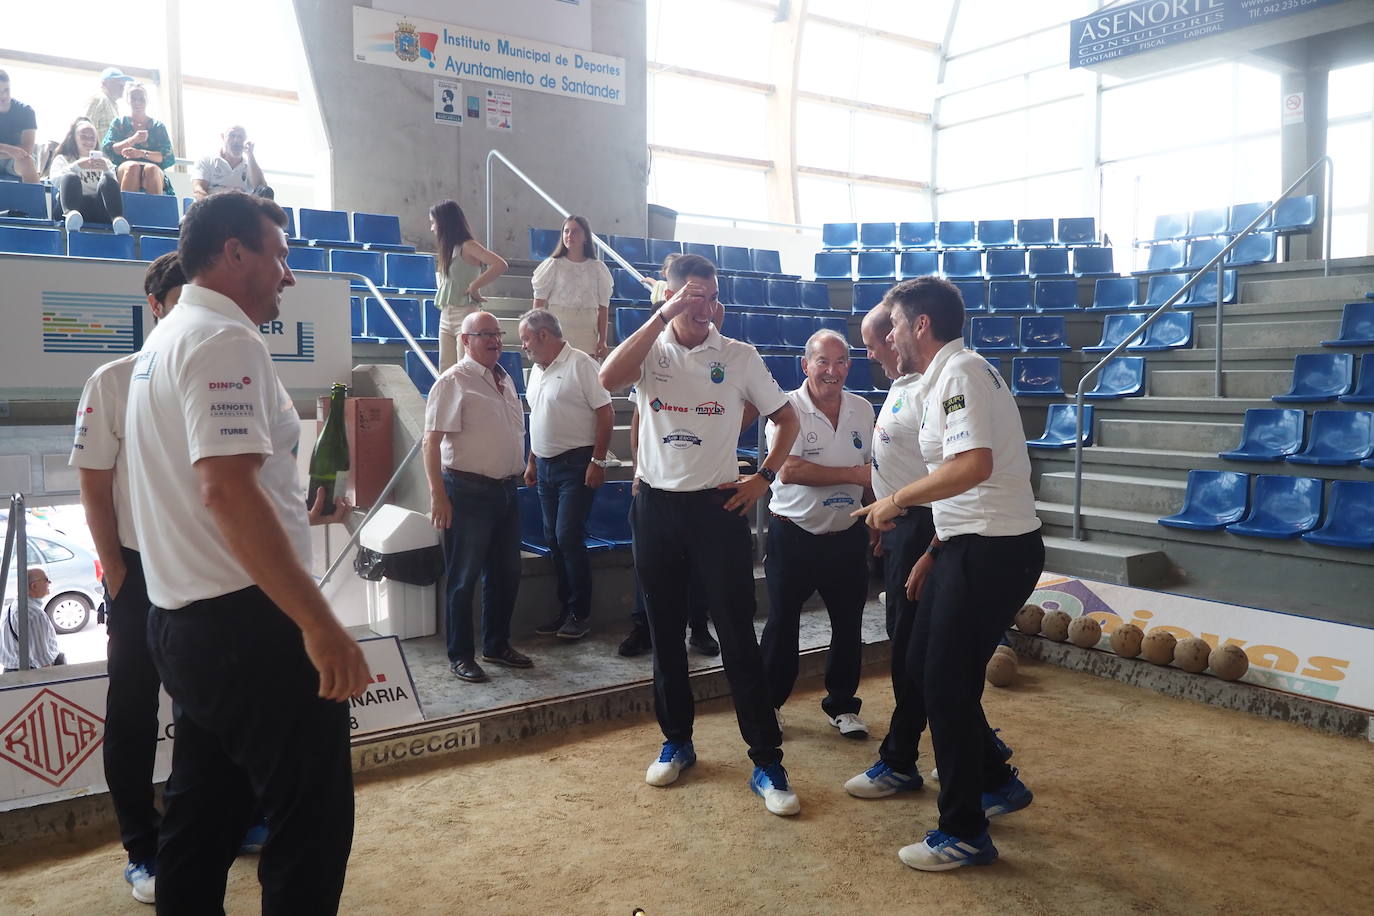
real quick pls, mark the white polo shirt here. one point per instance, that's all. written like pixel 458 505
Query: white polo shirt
pixel 968 406
pixel 99 442
pixel 823 510
pixel 484 429
pixel 691 405
pixel 897 457
pixel 218 173
pixel 563 401
pixel 204 386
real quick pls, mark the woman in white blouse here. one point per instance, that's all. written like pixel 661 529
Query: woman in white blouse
pixel 574 285
pixel 87 188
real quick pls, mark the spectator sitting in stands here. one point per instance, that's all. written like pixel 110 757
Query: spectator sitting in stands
pixel 17 129
pixel 234 166
pixel 103 108
pixel 85 181
pixel 43 650
pixel 140 147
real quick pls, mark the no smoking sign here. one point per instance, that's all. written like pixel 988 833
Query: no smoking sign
pixel 1292 108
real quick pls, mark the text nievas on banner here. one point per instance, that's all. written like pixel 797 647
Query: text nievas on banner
pixel 444 49
pixel 69 316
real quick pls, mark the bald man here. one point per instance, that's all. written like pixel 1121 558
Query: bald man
pixel 474 450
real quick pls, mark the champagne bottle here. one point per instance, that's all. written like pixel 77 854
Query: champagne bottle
pixel 329 461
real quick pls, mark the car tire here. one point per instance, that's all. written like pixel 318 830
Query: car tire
pixel 69 612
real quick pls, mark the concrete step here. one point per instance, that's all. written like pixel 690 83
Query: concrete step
pixel 1347 287
pixel 1123 565
pixel 1268 334
pixel 1114 491
pixel 1169 435
pixel 1141 462
pixel 1237 383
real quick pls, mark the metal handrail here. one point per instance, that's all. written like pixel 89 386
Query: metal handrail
pixel 1217 261
pixel 16 540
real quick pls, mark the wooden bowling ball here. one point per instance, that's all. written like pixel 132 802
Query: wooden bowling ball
pixel 1055 626
pixel 1001 670
pixel 1126 639
pixel 1158 647
pixel 1229 662
pixel 1085 632
pixel 1191 654
pixel 1028 619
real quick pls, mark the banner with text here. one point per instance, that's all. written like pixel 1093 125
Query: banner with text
pixel 564 22
pixel 438 48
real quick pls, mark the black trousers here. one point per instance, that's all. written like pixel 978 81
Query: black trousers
pixel 686 537
pixel 800 564
pixel 902 547
pixel 974 591
pixel 252 740
pixel 696 600
pixel 101 207
pixel 131 705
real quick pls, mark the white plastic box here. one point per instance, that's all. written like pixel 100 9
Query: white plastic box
pixel 399 608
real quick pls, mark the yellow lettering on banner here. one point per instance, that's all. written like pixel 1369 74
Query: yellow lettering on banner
pixel 1324 668
pixel 1109 621
pixel 1179 632
pixel 1276 657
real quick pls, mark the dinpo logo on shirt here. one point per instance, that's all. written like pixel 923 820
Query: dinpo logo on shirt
pixel 240 384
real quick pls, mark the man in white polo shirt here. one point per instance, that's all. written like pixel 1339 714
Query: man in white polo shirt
pixel 987 562
pixel 814 545
pixel 235 166
pixel 570 430
pixel 474 453
pixel 689 517
pixel 258 667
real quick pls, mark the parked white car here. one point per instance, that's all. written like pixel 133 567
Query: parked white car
pixel 76 577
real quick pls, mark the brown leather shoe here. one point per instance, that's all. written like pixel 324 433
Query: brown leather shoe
pixel 509 658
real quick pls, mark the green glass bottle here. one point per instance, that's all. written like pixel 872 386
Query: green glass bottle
pixel 329 462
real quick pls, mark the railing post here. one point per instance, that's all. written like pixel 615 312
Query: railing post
pixel 1078 465
pixel 1221 298
pixel 1326 229
pixel 21 580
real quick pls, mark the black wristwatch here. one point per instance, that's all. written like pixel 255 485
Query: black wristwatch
pixel 768 474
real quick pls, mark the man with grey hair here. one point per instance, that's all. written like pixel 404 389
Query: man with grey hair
pixel 813 543
pixel 570 430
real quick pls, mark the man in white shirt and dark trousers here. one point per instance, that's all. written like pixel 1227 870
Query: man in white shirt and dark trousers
pixel 258 668
pixel 235 166
pixel 570 430
pixel 814 545
pixel 131 706
pixel 474 453
pixel 987 562
pixel 689 517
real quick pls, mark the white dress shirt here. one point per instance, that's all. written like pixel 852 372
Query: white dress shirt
pixel 897 457
pixel 483 426
pixel 99 442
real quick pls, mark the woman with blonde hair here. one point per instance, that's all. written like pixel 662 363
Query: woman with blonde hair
pixel 140 147
pixel 465 266
pixel 574 285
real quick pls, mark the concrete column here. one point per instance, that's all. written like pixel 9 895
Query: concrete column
pixel 783 206
pixel 1303 143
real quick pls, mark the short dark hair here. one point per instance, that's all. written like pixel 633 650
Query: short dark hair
pixel 689 265
pixel 937 299
pixel 163 276
pixel 214 220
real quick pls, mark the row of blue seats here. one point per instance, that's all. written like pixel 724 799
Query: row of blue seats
pixel 389 270
pixel 1330 377
pixel 652 252
pixel 750 292
pixel 787 372
pixel 987 233
pixel 608 523
pixel 1041 377
pixel 372 324
pixel 762 329
pixel 1293 214
pixel 1062 295
pixel 965 263
pixel 1336 437
pixel 1281 507
pixel 1256 248
pixel 999 334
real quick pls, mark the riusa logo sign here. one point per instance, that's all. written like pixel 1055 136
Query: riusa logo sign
pixel 51 737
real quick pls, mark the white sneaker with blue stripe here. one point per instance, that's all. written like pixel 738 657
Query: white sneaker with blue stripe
pixel 940 851
pixel 1012 795
pixel 881 780
pixel 142 880
pixel 675 757
pixel 770 783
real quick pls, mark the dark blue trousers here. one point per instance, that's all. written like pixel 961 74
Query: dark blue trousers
pixel 481 545
pixel 566 501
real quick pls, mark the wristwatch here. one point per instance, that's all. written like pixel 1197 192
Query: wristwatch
pixel 768 474
pixel 601 462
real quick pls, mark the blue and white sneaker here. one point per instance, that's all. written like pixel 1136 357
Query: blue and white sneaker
pixel 941 852
pixel 881 780
pixel 770 783
pixel 1002 749
pixel 1011 796
pixel 141 878
pixel 254 839
pixel 675 757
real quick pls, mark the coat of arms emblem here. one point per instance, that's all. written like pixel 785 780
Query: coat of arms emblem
pixel 407 42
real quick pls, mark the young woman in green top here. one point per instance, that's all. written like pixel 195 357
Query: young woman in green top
pixel 465 266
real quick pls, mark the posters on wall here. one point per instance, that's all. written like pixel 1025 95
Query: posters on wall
pixel 448 102
pixel 498 109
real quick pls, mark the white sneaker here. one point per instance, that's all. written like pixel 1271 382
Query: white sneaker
pixel 672 760
pixel 143 882
pixel 850 725
pixel 74 220
pixel 119 224
pixel 770 783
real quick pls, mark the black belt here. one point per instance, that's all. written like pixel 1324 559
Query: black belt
pixel 573 454
pixel 783 518
pixel 484 479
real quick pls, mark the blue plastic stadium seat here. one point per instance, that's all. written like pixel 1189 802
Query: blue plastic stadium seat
pixel 1257 248
pixel 1282 507
pixel 1210 221
pixel 974 294
pixel 1049 262
pixel 1096 261
pixel 860 378
pixel 784 294
pixel 1349 516
pixel 31 200
pixel 1166 256
pixel 749 291
pixel 762 329
pixel 877 265
pixel 814 295
pixel 919 263
pixel 1363 392
pixel 732 325
pixel 706 250
pixel 786 371
pixel 1123 377
pixel 629 319
pixel 100 245
pixel 1200 251
pixel 834 265
pixel 1035 231
pixel 997 233
pixel 379 232
pixel 1204 293
pixel 414 272
pixel 1242 215
pixel 836 324
pixel 916 235
pixel 633 248
pixel 1036 376
pixel 152 247
pixel 431 322
pixel 1078 230
pixel 1212 500
pixel 355 316
pixel 151 212
pixel 1268 434
pixel 867 295
pixel 542 243
pixel 609 519
pixel 1115 293
pixel 1009 262
pixel 379 324
pixel 766 260
pixel 515 367
pixel 748 444
pixel 417 371
pixel 1160 288
pixel 1170 226
pixel 1338 437
pixel 1115 329
pixel 795 330
pixel 367 263
pixel 840 235
pixel 1010 296
pixel 735 257
pixel 659 249
pixel 961 263
pixel 327 226
pixel 531 521
pixel 30 241
pixel 627 287
pixel 290 221
pixel 957 233
pixel 991 334
pixel 1296 214
pixel 1061 427
pixel 878 235
pixel 1170 331
pixel 1319 377
pixel 1043 333
pixel 1056 295
pixel 298 258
